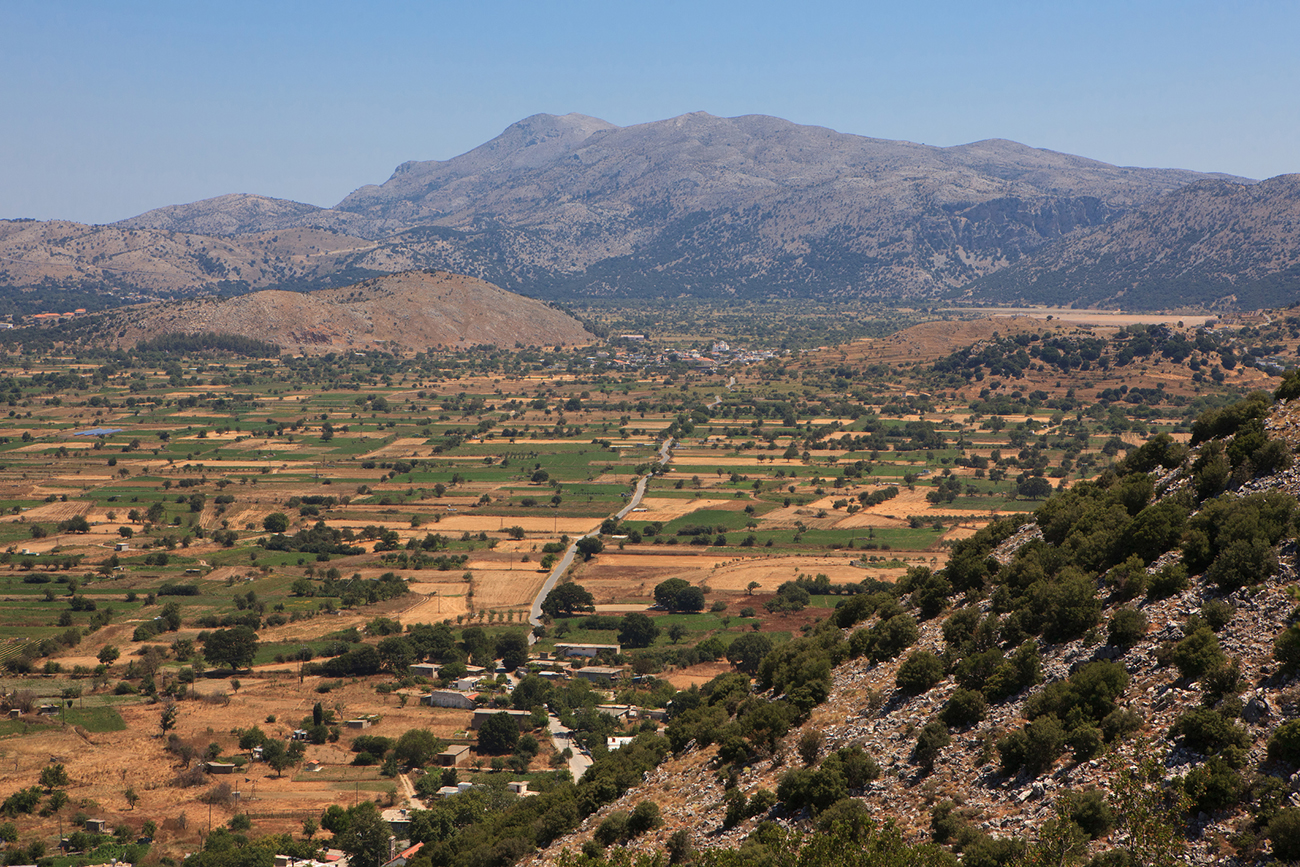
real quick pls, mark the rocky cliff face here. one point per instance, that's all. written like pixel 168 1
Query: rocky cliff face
pixel 1210 243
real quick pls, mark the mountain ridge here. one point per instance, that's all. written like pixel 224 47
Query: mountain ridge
pixel 574 206
pixel 1217 242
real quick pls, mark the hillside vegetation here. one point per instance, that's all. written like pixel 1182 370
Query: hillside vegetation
pixel 1108 683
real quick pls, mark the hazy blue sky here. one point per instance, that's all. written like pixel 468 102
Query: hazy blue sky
pixel 108 109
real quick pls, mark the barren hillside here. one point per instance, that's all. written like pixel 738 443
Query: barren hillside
pixel 413 310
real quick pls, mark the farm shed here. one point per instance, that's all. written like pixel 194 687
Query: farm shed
pixel 450 698
pixel 454 756
pixel 585 649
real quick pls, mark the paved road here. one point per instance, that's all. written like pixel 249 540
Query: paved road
pixel 535 615
pixel 717 399
pixel 561 739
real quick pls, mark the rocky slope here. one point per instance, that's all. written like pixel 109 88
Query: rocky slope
pixel 1234 790
pixel 1210 243
pixel 409 311
pixel 128 263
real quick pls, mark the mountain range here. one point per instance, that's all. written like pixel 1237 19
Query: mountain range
pixel 573 206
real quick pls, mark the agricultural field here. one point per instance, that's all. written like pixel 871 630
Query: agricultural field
pixel 328 504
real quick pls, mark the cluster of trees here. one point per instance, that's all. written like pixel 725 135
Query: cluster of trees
pixel 679 595
pixel 208 343
pixel 1010 356
pixel 357 591
pixel 318 539
pixel 487 824
pixel 394 653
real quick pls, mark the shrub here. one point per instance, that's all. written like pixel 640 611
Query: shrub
pixel 1088 809
pixel 987 851
pixel 1119 723
pixel 1034 748
pixel 964 708
pixel 1284 832
pixel 190 777
pixel 1065 607
pixel 374 744
pixel 1245 561
pixel 930 594
pixel 680 848
pixel 1085 741
pixel 959 628
pixel 790 596
pixel 1213 786
pixel 816 790
pixel 860 642
pixel 1286 648
pixel 1217 614
pixel 1208 731
pixel 810 744
pixel 1017 672
pixel 919 672
pixel 848 818
pixel 1088 695
pixel 1128 579
pixel 22 801
pixel 614 829
pixel 930 742
pixel 220 794
pixel 763 800
pixel 645 817
pixel 736 808
pixel 1221 683
pixel 855 609
pixel 854 764
pixel 1171 579
pixel 1284 744
pixel 1127 627
pixel 1198 653
pixel 892 637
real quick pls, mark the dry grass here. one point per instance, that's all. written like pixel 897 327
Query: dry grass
pixel 56 511
pixel 103 765
pixel 400 447
pixel 667 508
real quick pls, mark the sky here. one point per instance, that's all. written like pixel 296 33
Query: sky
pixel 110 109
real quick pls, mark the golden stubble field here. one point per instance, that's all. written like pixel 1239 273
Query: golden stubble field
pixel 624 577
